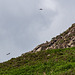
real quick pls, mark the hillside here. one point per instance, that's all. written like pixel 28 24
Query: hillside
pixel 56 57
pixel 64 40
pixel 46 62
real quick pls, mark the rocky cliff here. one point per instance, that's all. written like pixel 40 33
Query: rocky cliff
pixel 64 40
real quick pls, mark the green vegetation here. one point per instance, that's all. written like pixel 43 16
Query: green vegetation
pixel 47 62
pixel 61 41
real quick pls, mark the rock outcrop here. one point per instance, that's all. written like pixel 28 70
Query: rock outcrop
pixel 64 40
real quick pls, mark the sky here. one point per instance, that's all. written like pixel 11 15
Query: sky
pixel 23 26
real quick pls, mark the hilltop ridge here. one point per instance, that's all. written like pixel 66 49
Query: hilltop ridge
pixel 64 40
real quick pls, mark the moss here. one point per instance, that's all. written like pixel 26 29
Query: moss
pixel 61 41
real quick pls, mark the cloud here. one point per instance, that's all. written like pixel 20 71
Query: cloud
pixel 61 21
pixel 23 26
pixel 49 4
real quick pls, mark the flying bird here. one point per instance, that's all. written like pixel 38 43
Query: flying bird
pixel 40 9
pixel 8 54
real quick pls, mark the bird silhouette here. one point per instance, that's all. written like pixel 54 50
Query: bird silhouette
pixel 8 54
pixel 41 9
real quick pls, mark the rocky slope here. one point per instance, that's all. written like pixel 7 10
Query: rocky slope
pixel 64 40
pixel 53 61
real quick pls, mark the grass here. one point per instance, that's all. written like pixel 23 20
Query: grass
pixel 48 62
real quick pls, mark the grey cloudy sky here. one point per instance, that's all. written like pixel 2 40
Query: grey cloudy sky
pixel 23 26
